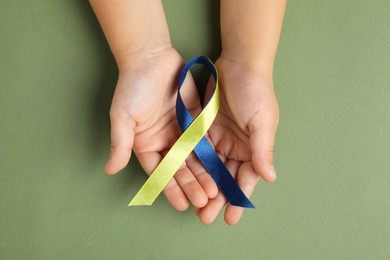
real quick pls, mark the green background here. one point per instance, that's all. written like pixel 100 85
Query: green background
pixel 332 198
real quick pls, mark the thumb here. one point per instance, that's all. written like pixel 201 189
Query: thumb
pixel 122 138
pixel 262 137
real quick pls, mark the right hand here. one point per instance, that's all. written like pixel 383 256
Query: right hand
pixel 143 118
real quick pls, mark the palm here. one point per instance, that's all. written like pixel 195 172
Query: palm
pixel 143 117
pixel 242 132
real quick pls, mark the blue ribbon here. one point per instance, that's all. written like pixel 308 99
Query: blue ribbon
pixel 204 150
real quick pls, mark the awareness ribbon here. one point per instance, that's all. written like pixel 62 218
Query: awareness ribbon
pixel 193 139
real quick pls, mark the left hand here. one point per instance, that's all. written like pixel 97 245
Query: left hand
pixel 243 132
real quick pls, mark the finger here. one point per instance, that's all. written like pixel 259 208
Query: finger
pixel 191 187
pixel 262 131
pixel 172 191
pixel 188 183
pixel 209 213
pixel 203 177
pixel 122 137
pixel 196 210
pixel 176 196
pixel 246 180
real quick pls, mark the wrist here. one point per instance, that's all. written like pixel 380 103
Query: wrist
pixel 250 60
pixel 133 28
pixel 142 51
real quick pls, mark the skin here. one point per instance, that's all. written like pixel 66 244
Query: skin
pixel 142 114
pixel 242 134
pixel 244 131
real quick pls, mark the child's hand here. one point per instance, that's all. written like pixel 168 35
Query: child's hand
pixel 243 132
pixel 143 118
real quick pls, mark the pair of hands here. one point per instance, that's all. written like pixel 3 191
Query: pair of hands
pixel 143 119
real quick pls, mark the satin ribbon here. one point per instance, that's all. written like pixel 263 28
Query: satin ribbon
pixel 193 139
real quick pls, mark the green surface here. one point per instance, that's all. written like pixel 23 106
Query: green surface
pixel 332 198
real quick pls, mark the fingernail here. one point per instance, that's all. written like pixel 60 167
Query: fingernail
pixel 272 173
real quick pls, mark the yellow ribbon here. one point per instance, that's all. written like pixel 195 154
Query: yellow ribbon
pixel 178 153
